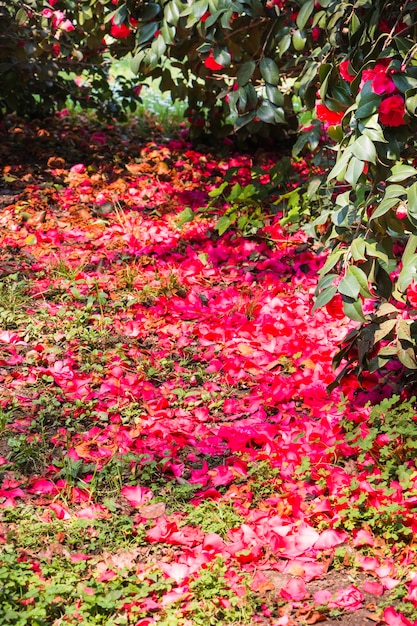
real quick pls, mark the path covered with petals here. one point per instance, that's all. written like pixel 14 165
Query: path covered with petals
pixel 170 384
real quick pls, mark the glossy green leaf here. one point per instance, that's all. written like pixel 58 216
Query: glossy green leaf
pixel 357 249
pixel 354 310
pixel 364 149
pixel 349 286
pixel 299 40
pixel 400 173
pixel 146 32
pixel 324 297
pixel 354 171
pixel 269 70
pixel 187 215
pixel 384 207
pixel 245 72
pixel 304 13
pixel 362 279
pixel 412 199
pixel 384 329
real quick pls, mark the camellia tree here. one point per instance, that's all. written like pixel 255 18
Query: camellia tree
pixel 242 66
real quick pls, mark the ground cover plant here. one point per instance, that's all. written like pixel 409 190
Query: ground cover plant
pixel 170 453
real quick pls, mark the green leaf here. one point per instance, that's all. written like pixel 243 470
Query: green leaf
pixel 400 173
pixel 150 11
pixel 349 286
pixel 299 40
pixel 266 112
pixel 387 309
pixel 224 223
pixel 367 105
pixel 146 32
pixel 340 165
pixel 304 13
pixel 187 215
pixel 364 149
pixel 274 95
pixel 269 70
pixel 332 259
pixel 354 171
pixel 394 191
pixel 362 279
pixel 245 72
pixel 403 330
pixel 357 248
pixel 215 193
pixel 21 17
pixel 384 207
pixel 384 329
pixel 407 356
pixel 412 199
pixel 171 13
pixel 324 297
pixel 353 310
pixel 408 273
pixel 410 250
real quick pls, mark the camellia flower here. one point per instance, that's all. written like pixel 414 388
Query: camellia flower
pixel 412 294
pixel 391 111
pixel 345 72
pixel 119 31
pixel 383 84
pixel 211 63
pixel 326 115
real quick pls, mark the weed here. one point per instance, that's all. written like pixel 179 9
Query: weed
pixel 264 480
pixel 25 529
pixel 64 270
pixel 213 517
pixel 390 443
pixel 14 299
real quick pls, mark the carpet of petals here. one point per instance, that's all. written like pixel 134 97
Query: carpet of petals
pixel 178 378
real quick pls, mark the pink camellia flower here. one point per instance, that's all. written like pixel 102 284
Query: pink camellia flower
pixel 67 26
pixel 383 84
pixel 412 294
pixel 391 111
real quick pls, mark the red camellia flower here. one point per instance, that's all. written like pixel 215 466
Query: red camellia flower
pixel 119 31
pixel 335 307
pixel 391 111
pixel 345 72
pixel 211 63
pixel 326 115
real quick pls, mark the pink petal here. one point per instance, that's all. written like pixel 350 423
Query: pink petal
pixel 330 539
pixel 295 589
pixel 373 587
pixel 322 597
pixel 59 511
pixel 95 511
pixel 42 486
pixel 392 618
pixel 137 495
pixel 363 538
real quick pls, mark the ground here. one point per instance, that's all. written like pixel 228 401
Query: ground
pixel 169 450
